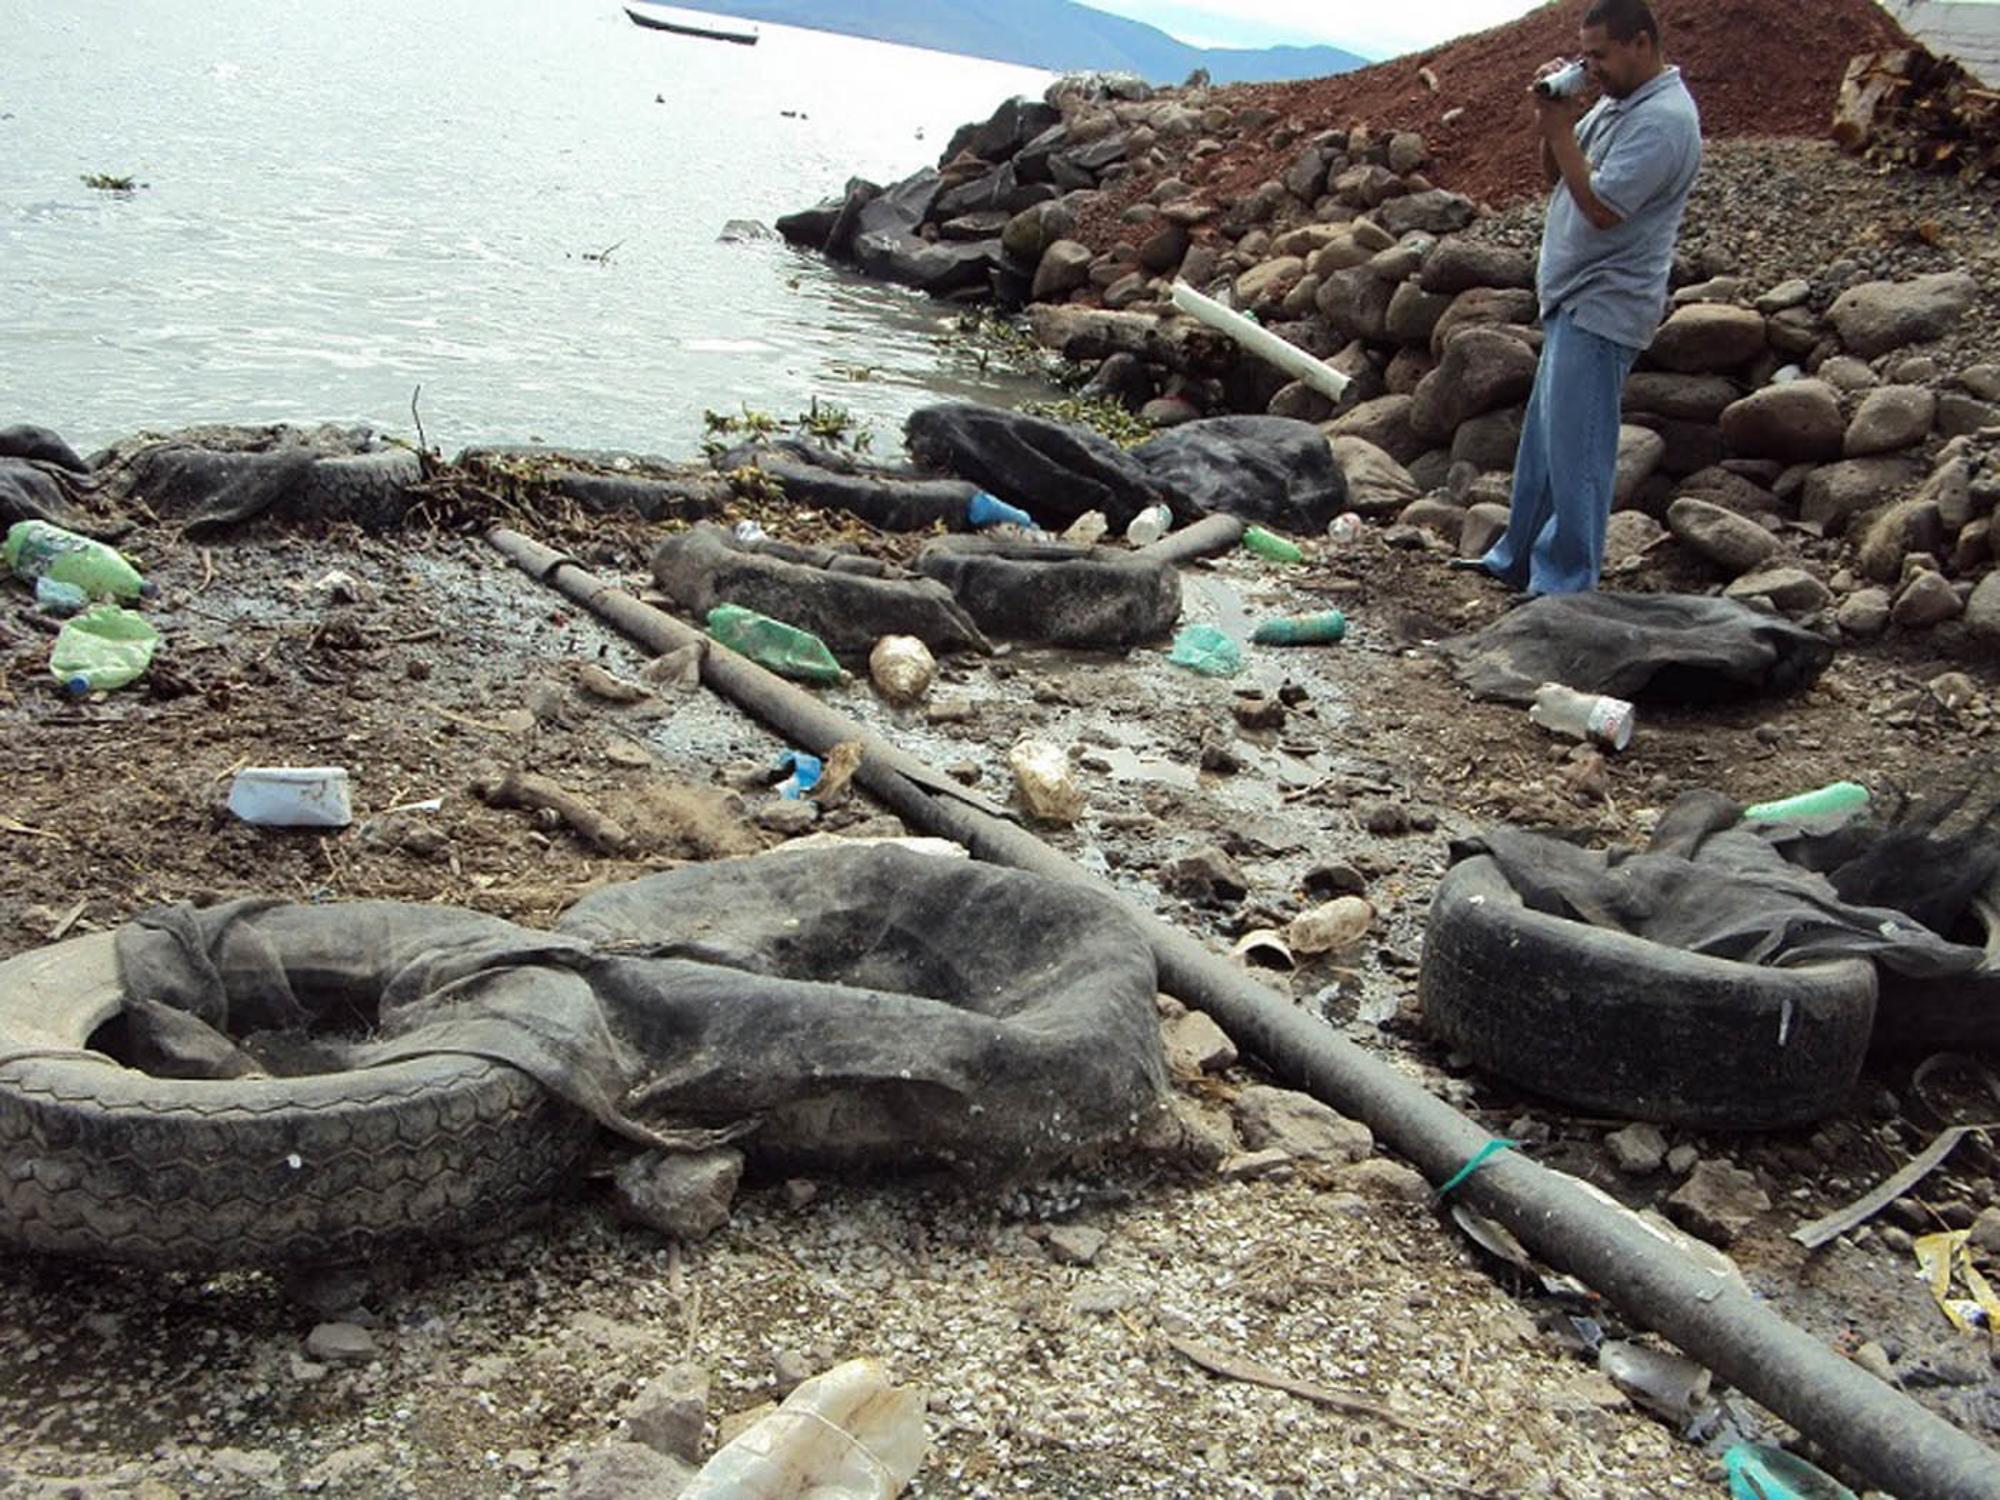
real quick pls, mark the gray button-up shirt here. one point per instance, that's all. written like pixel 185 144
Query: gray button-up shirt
pixel 1644 151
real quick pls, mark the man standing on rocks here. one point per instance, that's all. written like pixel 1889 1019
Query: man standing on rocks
pixel 1621 174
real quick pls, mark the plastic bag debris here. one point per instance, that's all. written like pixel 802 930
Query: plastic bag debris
pixel 1757 1472
pixel 847 1434
pixel 292 796
pixel 902 668
pixel 1208 651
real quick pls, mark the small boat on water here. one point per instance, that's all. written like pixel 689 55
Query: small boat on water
pixel 689 23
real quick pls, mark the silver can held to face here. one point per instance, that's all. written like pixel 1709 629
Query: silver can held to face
pixel 1565 83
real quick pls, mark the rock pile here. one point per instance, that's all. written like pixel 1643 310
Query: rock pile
pixel 1791 436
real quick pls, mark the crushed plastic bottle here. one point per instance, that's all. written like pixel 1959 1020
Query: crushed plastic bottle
pixel 1152 523
pixel 1270 546
pixel 1042 773
pixel 784 649
pixel 985 510
pixel 1839 799
pixel 1322 629
pixel 37 549
pixel 803 772
pixel 1583 716
pixel 1345 529
pixel 105 647
pixel 1757 1472
pixel 749 533
pixel 1204 649
pixel 1088 529
pixel 902 668
pixel 847 1434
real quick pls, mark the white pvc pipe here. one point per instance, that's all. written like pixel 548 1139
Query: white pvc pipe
pixel 1290 358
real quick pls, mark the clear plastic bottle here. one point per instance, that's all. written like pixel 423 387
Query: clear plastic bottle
pixel 37 549
pixel 1583 716
pixel 1345 529
pixel 105 647
pixel 1152 523
pixel 1840 799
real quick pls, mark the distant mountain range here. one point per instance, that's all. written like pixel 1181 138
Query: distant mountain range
pixel 1053 34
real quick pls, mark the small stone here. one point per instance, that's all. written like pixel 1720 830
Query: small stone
pixel 1260 712
pixel 1247 1166
pixel 1864 614
pixel 1097 1297
pixel 1896 1239
pixel 1873 1358
pixel 670 1413
pixel 1385 819
pixel 1378 1177
pixel 1637 1149
pixel 1074 1244
pixel 1189 1134
pixel 1301 1125
pixel 1986 1231
pixel 1718 1202
pixel 1196 1045
pixel 342 1343
pixel 799 1192
pixel 791 1369
pixel 625 1471
pixel 787 817
pixel 1208 874
pixel 1928 599
pixel 685 1195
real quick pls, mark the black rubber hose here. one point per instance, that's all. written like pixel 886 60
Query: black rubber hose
pixel 1876 1431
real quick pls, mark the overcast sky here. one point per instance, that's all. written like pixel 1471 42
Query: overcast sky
pixel 1370 27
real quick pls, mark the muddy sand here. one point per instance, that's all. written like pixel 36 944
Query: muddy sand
pixel 1051 1362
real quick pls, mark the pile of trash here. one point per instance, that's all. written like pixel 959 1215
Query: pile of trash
pixel 1912 109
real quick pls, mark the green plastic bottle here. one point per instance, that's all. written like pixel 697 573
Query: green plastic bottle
pixel 36 549
pixel 1827 801
pixel 1268 544
pixel 785 649
pixel 102 648
pixel 1322 629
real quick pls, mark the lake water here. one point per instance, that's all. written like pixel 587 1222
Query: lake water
pixel 347 199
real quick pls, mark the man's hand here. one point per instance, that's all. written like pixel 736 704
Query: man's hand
pixel 1554 117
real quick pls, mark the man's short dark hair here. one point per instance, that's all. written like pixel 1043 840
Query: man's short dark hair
pixel 1623 19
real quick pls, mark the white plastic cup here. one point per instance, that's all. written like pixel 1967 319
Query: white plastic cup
pixel 1152 523
pixel 1602 720
pixel 292 796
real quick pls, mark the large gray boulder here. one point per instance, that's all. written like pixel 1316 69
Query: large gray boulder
pixel 1482 369
pixel 1836 493
pixel 1708 337
pixel 1480 306
pixel 1460 265
pixel 1890 417
pixel 1376 483
pixel 1688 398
pixel 1414 313
pixel 1489 442
pixel 1434 212
pixel 1640 450
pixel 1878 316
pixel 1907 526
pixel 1733 543
pixel 1799 422
pixel 1384 422
pixel 1064 267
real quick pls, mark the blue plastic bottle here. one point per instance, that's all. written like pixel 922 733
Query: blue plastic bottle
pixel 984 510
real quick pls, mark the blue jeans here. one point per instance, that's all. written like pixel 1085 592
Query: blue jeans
pixel 1567 467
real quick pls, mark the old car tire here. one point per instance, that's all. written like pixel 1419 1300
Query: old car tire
pixel 1604 1021
pixel 1953 1013
pixel 1056 592
pixel 102 1161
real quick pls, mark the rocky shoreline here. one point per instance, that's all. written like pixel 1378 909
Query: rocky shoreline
pixel 1822 434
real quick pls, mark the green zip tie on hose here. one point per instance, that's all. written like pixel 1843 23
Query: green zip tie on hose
pixel 1479 1158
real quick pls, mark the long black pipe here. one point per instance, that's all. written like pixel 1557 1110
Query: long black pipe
pixel 1874 1430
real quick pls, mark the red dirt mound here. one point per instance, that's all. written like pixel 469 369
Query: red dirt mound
pixel 1769 68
